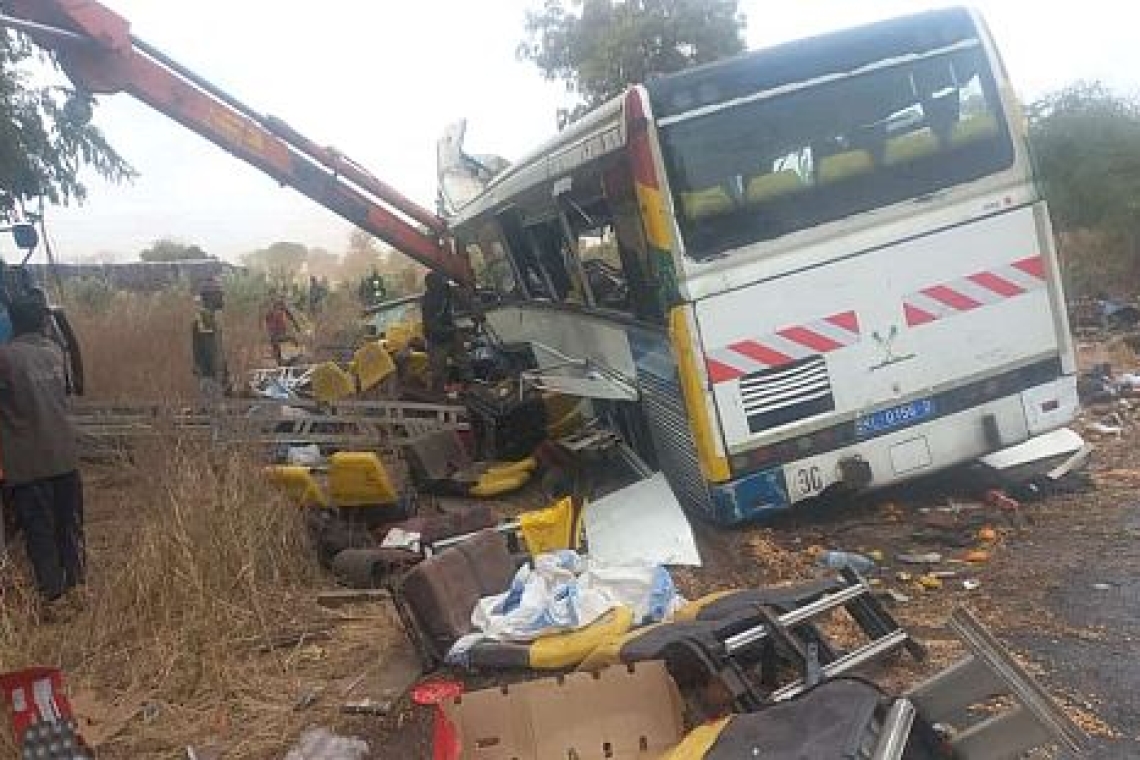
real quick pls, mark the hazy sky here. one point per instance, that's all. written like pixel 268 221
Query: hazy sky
pixel 380 81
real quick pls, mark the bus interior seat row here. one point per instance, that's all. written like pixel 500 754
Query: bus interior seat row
pixel 839 167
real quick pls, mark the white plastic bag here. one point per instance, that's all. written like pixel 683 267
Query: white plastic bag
pixel 322 744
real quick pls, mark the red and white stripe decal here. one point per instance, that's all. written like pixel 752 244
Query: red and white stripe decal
pixel 974 291
pixel 783 347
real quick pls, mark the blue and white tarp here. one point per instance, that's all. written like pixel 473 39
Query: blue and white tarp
pixel 565 591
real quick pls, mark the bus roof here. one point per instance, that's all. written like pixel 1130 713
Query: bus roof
pixel 808 59
pixel 760 70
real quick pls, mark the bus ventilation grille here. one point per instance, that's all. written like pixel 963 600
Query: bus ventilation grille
pixel 778 396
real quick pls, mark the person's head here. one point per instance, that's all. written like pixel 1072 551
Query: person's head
pixel 211 294
pixel 28 315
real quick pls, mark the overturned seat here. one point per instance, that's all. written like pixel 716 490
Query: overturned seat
pixel 298 484
pixel 372 365
pixel 437 596
pixel 353 479
pixel 751 641
pixel 359 479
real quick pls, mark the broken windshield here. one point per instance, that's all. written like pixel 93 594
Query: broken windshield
pixel 760 167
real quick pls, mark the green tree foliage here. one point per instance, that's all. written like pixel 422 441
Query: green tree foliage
pixel 172 250
pixel 599 47
pixel 1086 143
pixel 45 134
pixel 281 262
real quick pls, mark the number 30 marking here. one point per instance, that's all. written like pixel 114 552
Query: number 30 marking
pixel 809 481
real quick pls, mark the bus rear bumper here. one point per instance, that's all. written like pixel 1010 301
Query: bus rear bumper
pixel 903 455
pixel 752 497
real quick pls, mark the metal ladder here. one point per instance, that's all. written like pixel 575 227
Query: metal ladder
pixel 725 661
pixel 986 673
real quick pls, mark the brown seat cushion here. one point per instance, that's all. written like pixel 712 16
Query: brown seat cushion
pixel 443 589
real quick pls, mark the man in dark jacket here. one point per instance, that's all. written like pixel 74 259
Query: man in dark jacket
pixel 39 450
pixel 441 335
pixel 206 342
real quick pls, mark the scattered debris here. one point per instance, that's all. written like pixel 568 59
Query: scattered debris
pixel 927 558
pixel 322 744
pixel 837 560
pixel 971 584
pixel 929 582
pixel 367 706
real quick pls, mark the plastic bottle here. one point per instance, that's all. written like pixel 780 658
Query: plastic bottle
pixel 837 560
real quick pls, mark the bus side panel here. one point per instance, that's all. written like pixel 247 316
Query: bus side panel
pixel 873 330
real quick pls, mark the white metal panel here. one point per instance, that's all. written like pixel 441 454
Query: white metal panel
pixel 574 335
pixel 891 361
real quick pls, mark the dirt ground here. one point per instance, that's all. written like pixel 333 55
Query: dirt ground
pixel 1059 587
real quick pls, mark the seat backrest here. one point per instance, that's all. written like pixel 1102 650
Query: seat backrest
pixel 910 146
pixel 359 478
pixel 841 166
pixel 712 201
pixel 331 383
pixel 442 590
pixel 765 187
pixel 438 455
pixel 972 128
pixel 372 364
pixel 298 484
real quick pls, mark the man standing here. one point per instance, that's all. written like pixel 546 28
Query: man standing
pixel 40 452
pixel 438 313
pixel 277 321
pixel 206 340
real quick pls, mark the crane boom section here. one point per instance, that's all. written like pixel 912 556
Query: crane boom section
pixel 97 51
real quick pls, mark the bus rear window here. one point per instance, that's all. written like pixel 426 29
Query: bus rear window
pixel 763 168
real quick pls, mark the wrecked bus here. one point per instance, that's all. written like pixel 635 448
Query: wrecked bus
pixel 823 265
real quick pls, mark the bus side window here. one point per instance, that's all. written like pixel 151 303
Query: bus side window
pixel 546 243
pixel 637 260
pixel 492 267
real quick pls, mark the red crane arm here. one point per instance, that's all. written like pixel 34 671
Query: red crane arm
pixel 97 51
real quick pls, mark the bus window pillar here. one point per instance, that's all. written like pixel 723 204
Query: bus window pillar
pixel 574 263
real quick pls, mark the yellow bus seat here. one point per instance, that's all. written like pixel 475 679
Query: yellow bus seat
pixel 908 147
pixel 298 484
pixel 372 364
pixel 979 127
pixel 567 649
pixel 558 526
pixel 765 187
pixel 418 367
pixel 842 166
pixel 330 382
pixel 398 335
pixel 359 479
pixel 699 204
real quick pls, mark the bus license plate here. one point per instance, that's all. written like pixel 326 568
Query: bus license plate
pixel 895 417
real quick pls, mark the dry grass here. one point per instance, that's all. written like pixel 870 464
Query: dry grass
pixel 194 565
pixel 138 349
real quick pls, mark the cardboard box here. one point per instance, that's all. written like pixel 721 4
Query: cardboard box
pixel 621 713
